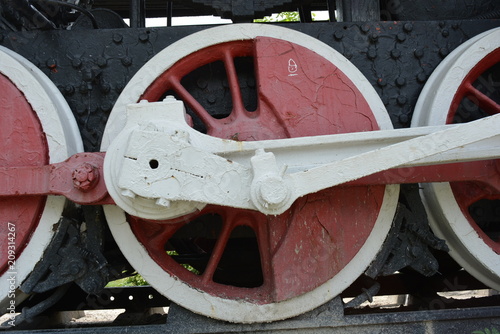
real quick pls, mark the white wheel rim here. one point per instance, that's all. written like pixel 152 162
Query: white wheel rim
pixel 63 140
pixel 202 302
pixel 445 216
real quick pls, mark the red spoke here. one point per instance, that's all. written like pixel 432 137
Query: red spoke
pixel 261 228
pixel 219 248
pixel 234 85
pixel 197 108
pixel 481 100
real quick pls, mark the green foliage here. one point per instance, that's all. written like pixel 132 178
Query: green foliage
pixel 487 331
pixel 134 280
pixel 185 265
pixel 281 17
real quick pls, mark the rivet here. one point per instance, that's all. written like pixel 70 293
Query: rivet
pixel 408 27
pixel 365 28
pixel 69 90
pixel 117 38
pixel 202 83
pixel 371 54
pixel 374 37
pixel 442 24
pixel 402 100
pixel 102 62
pixel 443 52
pixel 401 37
pixel 76 63
pixel 403 118
pixel 83 88
pixel 127 61
pixel 119 87
pixel 338 35
pixel 143 37
pixel 106 106
pixel 105 88
pixel 211 98
pixel 87 75
pixel 395 53
pixel 381 82
pixel 418 53
pixel 400 81
pixel 421 77
pixel 445 33
pixel 51 63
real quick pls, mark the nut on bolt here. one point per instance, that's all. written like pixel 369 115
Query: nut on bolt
pixel 85 177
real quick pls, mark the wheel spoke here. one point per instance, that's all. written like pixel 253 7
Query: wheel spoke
pixel 195 106
pixel 213 262
pixel 481 100
pixel 262 229
pixel 234 86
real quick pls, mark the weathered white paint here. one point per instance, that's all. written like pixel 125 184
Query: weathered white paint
pixel 202 302
pixel 446 217
pixel 192 169
pixel 63 139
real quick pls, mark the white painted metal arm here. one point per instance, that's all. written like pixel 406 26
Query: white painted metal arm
pixel 159 159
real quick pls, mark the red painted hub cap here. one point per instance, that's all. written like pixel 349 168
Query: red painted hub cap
pixel 22 143
pixel 239 254
pixel 478 97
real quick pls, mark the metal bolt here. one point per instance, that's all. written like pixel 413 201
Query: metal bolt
pixel 144 37
pixel 374 37
pixel 371 54
pixel 401 37
pixel 105 87
pixel 408 27
pixel 106 106
pixel 404 118
pixel 395 53
pixel 402 100
pixel 421 77
pixel 443 52
pixel 69 89
pixel 381 82
pixel 51 63
pixel 85 177
pixel 400 81
pixel 127 61
pixel 76 63
pixel 117 38
pixel 338 35
pixel 102 62
pixel 418 53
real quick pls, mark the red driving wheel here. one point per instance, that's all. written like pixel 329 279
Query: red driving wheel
pixel 253 260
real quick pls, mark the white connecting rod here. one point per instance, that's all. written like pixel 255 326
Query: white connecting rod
pixel 160 158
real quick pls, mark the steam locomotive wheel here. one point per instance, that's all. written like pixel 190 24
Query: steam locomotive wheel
pixel 36 128
pixel 239 265
pixel 465 214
